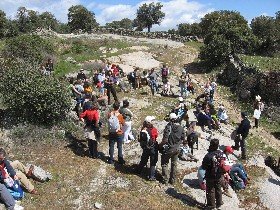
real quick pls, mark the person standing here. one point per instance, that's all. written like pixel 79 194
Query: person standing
pixel 127 114
pixel 91 119
pixel 153 77
pixel 115 124
pixel 109 85
pixel 49 66
pixel 183 79
pixel 173 137
pixel 213 175
pixel 242 133
pixel 258 108
pixel 148 142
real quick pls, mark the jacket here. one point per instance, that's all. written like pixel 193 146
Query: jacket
pixel 244 128
pixel 173 136
pixel 207 165
pixel 6 164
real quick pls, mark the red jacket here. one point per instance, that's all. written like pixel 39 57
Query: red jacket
pixel 153 133
pixel 91 115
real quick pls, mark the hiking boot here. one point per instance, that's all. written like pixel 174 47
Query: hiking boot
pixel 121 161
pixel 172 181
pixel 227 193
pixel 110 161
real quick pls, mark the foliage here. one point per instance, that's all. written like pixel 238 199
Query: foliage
pixel 124 23
pixel 3 21
pixel 232 29
pixel 186 29
pixel 216 51
pixel 148 15
pixel 267 29
pixel 32 97
pixel 31 48
pixel 48 21
pixel 79 18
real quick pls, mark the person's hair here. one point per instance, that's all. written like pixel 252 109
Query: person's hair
pixel 71 80
pixel 3 152
pixel 116 105
pixel 125 103
pixel 108 72
pixel 243 115
pixel 86 84
pixel 214 145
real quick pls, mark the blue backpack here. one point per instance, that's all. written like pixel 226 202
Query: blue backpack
pixel 16 190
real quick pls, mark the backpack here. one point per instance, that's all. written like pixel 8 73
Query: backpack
pixel 144 139
pixel 218 164
pixel 40 174
pixel 113 123
pixel 164 72
pixel 16 190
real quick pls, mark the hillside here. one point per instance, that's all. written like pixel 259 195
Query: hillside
pixel 80 182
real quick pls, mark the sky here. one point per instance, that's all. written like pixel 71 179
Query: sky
pixel 176 11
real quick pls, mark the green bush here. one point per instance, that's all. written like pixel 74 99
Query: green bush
pixel 31 48
pixel 31 96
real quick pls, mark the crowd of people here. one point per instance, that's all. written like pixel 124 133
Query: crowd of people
pixel 217 171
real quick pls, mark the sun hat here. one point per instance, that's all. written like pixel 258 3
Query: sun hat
pixel 149 119
pixel 173 116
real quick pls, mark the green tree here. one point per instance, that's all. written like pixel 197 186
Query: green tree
pixel 184 29
pixel 149 14
pixel 23 20
pixel 230 26
pixel 48 21
pixel 79 18
pixel 31 48
pixel 32 97
pixel 3 23
pixel 124 23
pixel 11 28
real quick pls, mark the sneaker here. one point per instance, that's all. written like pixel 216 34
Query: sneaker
pixel 121 161
pixel 110 161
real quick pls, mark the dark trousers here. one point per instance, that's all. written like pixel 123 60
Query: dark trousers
pixel 153 155
pixel 92 145
pixel 214 193
pixel 164 164
pixel 6 197
pixel 113 138
pixel 256 123
pixel 111 89
pixel 241 142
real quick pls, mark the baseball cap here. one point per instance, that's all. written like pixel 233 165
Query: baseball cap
pixel 181 99
pixel 228 149
pixel 173 116
pixel 149 119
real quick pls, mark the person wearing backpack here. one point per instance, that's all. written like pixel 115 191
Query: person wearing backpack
pixel 173 137
pixel 213 175
pixel 148 142
pixel 242 133
pixel 115 124
pixel 91 119
pixel 109 85
pixel 127 114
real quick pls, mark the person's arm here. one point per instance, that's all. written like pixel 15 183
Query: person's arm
pixel 75 90
pixel 10 169
pixel 83 115
pixel 205 163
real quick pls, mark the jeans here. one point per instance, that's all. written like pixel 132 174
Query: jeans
pixel 241 142
pixel 164 164
pixel 126 130
pixel 6 197
pixel 113 138
pixel 214 193
pixel 183 90
pixel 239 169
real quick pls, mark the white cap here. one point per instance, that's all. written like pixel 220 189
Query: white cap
pixel 181 99
pixel 149 119
pixel 173 116
pixel 258 98
pixel 81 69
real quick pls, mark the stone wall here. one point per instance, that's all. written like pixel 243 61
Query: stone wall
pixel 141 34
pixel 247 82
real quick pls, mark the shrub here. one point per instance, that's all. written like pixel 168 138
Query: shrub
pixel 31 48
pixel 31 96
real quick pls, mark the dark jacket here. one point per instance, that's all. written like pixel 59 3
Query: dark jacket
pixel 244 128
pixel 6 164
pixel 208 165
pixel 173 136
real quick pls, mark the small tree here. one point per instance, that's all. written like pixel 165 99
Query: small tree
pixel 79 18
pixel 124 23
pixel 32 97
pixel 149 14
pixel 3 23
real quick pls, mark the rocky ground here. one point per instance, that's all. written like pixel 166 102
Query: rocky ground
pixel 83 183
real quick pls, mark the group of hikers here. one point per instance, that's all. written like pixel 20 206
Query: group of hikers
pixel 217 171
pixel 91 96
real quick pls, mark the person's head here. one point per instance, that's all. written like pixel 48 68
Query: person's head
pixel 164 66
pixel 258 98
pixel 172 117
pixel 125 103
pixel 109 73
pixel 228 150
pixel 81 70
pixel 181 100
pixel 116 105
pixel 71 80
pixel 243 115
pixel 49 60
pixel 2 154
pixel 149 121
pixel 214 145
pixel 152 70
pixel 86 84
